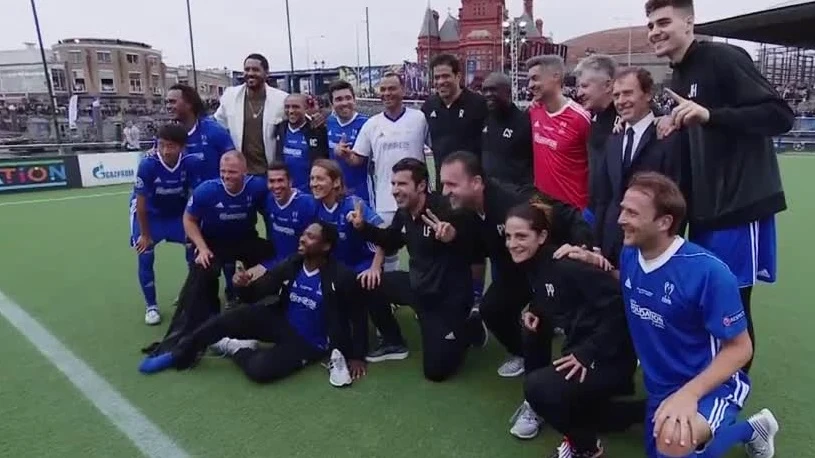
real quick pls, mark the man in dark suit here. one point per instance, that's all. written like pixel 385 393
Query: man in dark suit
pixel 634 149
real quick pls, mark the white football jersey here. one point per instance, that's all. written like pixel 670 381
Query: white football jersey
pixel 385 142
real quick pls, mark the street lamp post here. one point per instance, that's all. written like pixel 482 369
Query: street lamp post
pixel 291 50
pixel 514 37
pixel 48 82
pixel 192 47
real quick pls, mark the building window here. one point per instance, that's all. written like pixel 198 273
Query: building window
pixel 58 79
pixel 132 58
pixel 155 84
pixel 135 83
pixel 152 61
pixel 79 81
pixel 103 57
pixel 106 81
pixel 76 57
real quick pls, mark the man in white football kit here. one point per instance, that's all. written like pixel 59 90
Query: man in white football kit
pixel 388 137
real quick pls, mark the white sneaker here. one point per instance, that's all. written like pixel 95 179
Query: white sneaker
pixel 765 427
pixel 338 374
pixel 512 367
pixel 228 347
pixel 152 317
pixel 525 422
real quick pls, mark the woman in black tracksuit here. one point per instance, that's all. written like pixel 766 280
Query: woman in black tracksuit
pixel 573 393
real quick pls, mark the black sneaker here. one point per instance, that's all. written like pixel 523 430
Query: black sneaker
pixel 566 451
pixel 387 352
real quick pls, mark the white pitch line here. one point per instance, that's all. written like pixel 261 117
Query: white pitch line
pixel 61 199
pixel 145 435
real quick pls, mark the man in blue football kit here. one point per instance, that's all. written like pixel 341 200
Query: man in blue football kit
pixel 288 213
pixel 299 143
pixel 343 127
pixel 163 184
pixel 220 220
pixel 206 138
pixel 689 330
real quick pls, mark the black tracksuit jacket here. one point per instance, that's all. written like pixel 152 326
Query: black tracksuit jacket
pixel 587 301
pixel 506 147
pixel 435 268
pixel 730 169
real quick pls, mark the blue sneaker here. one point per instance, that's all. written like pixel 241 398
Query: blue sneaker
pixel 156 364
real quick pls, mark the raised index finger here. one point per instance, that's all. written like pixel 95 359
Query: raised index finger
pixel 676 97
pixel 432 217
pixel 358 207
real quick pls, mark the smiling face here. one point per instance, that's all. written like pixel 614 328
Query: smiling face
pixel 639 221
pixel 405 191
pixel 233 172
pixel 254 75
pixel 279 184
pixel 592 90
pixel 446 81
pixel 631 102
pixel 343 103
pixel 462 189
pixel 311 243
pixel 295 109
pixel 391 92
pixel 544 82
pixel 670 31
pixel 321 183
pixel 177 107
pixel 522 240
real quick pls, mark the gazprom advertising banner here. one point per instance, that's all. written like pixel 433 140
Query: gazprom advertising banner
pixel 108 168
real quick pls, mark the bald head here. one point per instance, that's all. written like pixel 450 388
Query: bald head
pixel 234 158
pixel 295 107
pixel 497 89
pixel 233 171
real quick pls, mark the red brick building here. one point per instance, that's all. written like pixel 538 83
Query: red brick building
pixel 476 36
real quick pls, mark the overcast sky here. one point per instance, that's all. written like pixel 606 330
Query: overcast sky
pixel 226 31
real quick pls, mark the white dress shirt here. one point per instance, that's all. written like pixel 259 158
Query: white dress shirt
pixel 639 130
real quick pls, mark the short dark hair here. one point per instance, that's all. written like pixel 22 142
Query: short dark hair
pixel 329 234
pixel 175 133
pixel 448 60
pixel 417 169
pixel 278 165
pixel 339 85
pixel 668 199
pixel 190 95
pixel 643 77
pixel 653 5
pixel 264 63
pixel 534 215
pixel 391 74
pixel 472 165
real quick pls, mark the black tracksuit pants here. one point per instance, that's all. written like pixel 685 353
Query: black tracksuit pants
pixel 443 322
pixel 260 322
pixel 200 290
pixel 501 309
pixel 577 410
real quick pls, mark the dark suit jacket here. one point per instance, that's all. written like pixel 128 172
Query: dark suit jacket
pixel 612 181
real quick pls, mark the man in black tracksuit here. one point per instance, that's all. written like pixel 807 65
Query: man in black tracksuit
pixel 506 142
pixel 455 115
pixel 464 183
pixel 727 113
pixel 438 284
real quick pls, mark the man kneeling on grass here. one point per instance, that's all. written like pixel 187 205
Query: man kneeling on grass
pixel 316 311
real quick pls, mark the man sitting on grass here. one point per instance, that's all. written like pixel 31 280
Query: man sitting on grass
pixel 316 311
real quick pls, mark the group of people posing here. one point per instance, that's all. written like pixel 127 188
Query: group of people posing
pixel 580 211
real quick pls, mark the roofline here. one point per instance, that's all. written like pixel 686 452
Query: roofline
pixel 770 16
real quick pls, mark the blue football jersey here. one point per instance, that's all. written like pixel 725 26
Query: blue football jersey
pixel 680 307
pixel 352 250
pixel 209 141
pixel 305 311
pixel 356 177
pixel 167 188
pixel 223 215
pixel 287 223
pixel 296 157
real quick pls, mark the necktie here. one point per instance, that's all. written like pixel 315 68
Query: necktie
pixel 629 148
